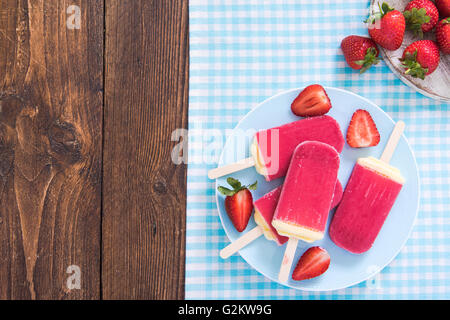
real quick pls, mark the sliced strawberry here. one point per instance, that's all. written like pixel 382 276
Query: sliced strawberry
pixel 238 203
pixel 312 101
pixel 314 262
pixel 362 131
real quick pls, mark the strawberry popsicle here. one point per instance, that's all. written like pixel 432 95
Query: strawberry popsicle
pixel 264 210
pixel 305 200
pixel 266 205
pixel 307 193
pixel 368 198
pixel 272 149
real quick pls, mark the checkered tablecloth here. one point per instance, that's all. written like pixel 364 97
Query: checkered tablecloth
pixel 244 51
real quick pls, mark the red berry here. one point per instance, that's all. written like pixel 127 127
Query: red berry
pixel 387 27
pixel 420 58
pixel 362 131
pixel 444 7
pixel 238 203
pixel 421 16
pixel 360 52
pixel 443 35
pixel 312 101
pixel 314 262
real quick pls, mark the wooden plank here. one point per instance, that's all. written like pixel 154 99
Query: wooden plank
pixel 51 98
pixel 146 94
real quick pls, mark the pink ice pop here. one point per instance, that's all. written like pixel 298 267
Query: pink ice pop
pixel 368 198
pixel 337 195
pixel 264 210
pixel 266 205
pixel 305 200
pixel 273 147
pixel 307 193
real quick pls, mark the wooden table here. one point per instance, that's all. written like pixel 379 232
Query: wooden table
pixel 90 92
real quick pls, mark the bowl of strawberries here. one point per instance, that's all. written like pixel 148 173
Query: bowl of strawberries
pixel 413 38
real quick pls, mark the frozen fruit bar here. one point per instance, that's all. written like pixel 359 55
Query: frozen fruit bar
pixel 272 148
pixel 368 197
pixel 264 210
pixel 307 193
pixel 266 205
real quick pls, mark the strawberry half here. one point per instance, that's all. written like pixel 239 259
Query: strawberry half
pixel 312 101
pixel 238 203
pixel 360 52
pixel 421 16
pixel 314 262
pixel 362 131
pixel 420 58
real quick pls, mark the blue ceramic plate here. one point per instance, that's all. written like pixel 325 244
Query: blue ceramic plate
pixel 346 269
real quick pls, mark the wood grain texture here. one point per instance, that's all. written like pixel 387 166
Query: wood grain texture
pixel 144 193
pixel 51 93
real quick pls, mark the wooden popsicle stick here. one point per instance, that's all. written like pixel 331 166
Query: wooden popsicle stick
pixel 230 168
pixel 393 141
pixel 240 243
pixel 288 258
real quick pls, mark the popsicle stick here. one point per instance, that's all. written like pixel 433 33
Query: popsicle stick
pixel 230 168
pixel 393 141
pixel 240 243
pixel 288 258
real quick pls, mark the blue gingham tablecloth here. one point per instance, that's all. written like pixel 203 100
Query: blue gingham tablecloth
pixel 244 51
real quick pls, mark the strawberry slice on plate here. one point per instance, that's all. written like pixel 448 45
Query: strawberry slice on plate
pixel 238 202
pixel 362 131
pixel 314 262
pixel 312 101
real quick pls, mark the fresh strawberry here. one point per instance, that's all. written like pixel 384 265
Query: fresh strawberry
pixel 443 7
pixel 420 58
pixel 238 202
pixel 314 262
pixel 312 101
pixel 387 27
pixel 360 52
pixel 443 35
pixel 421 16
pixel 362 131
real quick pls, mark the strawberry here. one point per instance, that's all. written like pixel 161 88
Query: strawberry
pixel 387 27
pixel 443 7
pixel 443 35
pixel 314 262
pixel 312 101
pixel 362 131
pixel 421 16
pixel 420 58
pixel 238 202
pixel 360 52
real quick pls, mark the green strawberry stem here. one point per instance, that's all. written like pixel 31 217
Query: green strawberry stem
pixel 383 10
pixel 415 18
pixel 369 60
pixel 413 68
pixel 237 186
